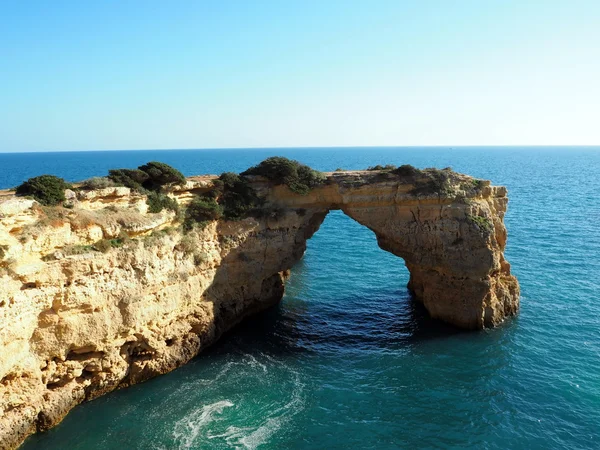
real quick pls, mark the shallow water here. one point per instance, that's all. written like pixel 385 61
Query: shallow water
pixel 347 360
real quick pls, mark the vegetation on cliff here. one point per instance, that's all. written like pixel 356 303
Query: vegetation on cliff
pixel 97 183
pixel 151 176
pixel 298 177
pixel 201 210
pixel 233 198
pixel 481 222
pixel 236 196
pixel 49 190
pixel 131 178
pixel 157 201
pixel 426 181
pixel 380 167
pixel 149 179
pixel 160 174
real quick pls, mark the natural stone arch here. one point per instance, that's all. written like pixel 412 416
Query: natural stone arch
pixel 452 244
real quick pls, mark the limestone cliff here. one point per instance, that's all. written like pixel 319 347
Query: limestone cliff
pixel 76 323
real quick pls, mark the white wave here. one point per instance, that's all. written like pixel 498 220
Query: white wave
pixel 256 363
pixel 188 429
pixel 251 437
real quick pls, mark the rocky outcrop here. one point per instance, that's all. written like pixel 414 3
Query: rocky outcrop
pixel 77 323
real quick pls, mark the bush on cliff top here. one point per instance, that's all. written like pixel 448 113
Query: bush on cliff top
pixel 49 190
pixel 131 178
pixel 406 170
pixel 298 177
pixel 380 167
pixel 161 174
pixel 151 176
pixel 147 179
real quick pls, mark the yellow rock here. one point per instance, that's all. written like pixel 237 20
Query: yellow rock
pixel 77 323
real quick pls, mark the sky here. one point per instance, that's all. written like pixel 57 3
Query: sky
pixel 209 74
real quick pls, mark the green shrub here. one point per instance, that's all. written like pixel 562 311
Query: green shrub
pixel 297 177
pixel 380 167
pixel 236 196
pixel 157 202
pixel 477 184
pixel 104 245
pixel 160 174
pixel 406 170
pixel 202 209
pixel 228 180
pixel 76 250
pixel 131 178
pixel 148 177
pixel 483 223
pixel 46 189
pixel 97 183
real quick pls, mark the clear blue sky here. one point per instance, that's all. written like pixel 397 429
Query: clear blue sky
pixel 172 74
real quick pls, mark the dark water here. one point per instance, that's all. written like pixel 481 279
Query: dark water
pixel 348 360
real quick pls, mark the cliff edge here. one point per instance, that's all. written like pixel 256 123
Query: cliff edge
pixel 101 293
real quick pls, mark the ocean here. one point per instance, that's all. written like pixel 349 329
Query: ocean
pixel 348 360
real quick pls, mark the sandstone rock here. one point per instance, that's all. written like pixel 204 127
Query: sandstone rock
pixel 80 324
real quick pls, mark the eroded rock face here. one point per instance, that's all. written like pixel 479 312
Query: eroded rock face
pixel 77 323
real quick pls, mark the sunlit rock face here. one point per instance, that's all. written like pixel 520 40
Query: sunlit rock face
pixel 77 323
pixel 452 244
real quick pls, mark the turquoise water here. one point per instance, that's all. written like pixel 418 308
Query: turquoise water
pixel 347 360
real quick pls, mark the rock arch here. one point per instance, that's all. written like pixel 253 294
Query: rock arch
pixel 452 244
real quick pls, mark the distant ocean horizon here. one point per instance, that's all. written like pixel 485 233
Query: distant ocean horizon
pixel 77 165
pixel 348 359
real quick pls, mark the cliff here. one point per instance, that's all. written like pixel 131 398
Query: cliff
pixel 79 319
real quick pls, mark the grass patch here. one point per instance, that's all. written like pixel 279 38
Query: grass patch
pixel 77 249
pixel 104 245
pixel 483 223
pixel 97 183
pixel 433 181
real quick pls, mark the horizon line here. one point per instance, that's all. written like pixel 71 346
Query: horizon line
pixel 307 148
